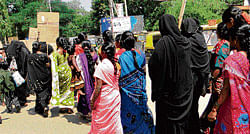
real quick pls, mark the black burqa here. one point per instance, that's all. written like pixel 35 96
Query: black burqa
pixel 191 29
pixel 39 79
pixel 170 72
pixel 20 53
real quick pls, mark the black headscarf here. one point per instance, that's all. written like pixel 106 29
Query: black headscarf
pixel 170 72
pixel 38 74
pixel 21 53
pixel 191 29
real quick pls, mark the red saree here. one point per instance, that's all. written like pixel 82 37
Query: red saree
pixel 233 116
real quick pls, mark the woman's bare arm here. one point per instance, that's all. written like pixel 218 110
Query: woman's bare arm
pixel 97 92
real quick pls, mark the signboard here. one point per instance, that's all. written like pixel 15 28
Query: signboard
pixel 33 33
pixel 137 24
pixel 48 26
pixel 121 24
pixel 120 12
pixel 105 24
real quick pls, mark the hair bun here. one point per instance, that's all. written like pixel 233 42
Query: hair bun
pixel 109 48
pixel 128 40
pixel 82 36
pixel 87 44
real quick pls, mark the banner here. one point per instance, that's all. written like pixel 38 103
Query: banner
pixel 136 24
pixel 121 24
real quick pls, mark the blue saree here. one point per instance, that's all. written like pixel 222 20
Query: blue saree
pixel 136 117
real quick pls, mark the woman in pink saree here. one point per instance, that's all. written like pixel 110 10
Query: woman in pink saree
pixel 233 115
pixel 106 100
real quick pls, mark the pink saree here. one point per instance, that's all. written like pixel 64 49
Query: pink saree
pixel 233 116
pixel 106 116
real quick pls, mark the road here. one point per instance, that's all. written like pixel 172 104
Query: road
pixel 28 122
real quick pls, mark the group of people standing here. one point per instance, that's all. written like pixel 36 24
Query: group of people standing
pixel 179 69
pixel 109 83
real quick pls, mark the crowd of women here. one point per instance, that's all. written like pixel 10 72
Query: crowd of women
pixel 109 82
pixel 179 69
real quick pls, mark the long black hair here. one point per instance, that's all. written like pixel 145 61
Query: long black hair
pixel 71 49
pixel 222 31
pixel 109 49
pixel 127 40
pixel 82 37
pixel 107 36
pixel 86 45
pixel 243 36
pixel 62 42
pixel 235 13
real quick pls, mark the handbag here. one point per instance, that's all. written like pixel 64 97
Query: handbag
pixel 18 79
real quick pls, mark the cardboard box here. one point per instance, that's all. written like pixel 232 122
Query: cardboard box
pixel 33 33
pixel 48 26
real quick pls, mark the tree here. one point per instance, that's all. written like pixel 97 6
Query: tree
pixel 100 10
pixel 5 26
pixel 203 10
pixel 66 15
pixel 79 24
pixel 26 17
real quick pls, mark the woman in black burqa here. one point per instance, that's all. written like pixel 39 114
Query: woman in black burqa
pixel 191 29
pixel 39 77
pixel 20 52
pixel 170 72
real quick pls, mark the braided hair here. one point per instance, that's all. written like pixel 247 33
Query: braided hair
pixel 71 49
pixel 62 42
pixel 222 31
pixel 243 36
pixel 118 40
pixel 109 49
pixel 86 45
pixel 118 37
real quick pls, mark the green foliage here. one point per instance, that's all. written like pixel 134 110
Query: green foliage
pixel 5 26
pixel 150 9
pixel 203 10
pixel 26 17
pixel 66 15
pixel 79 24
pixel 100 10
pixel 72 21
